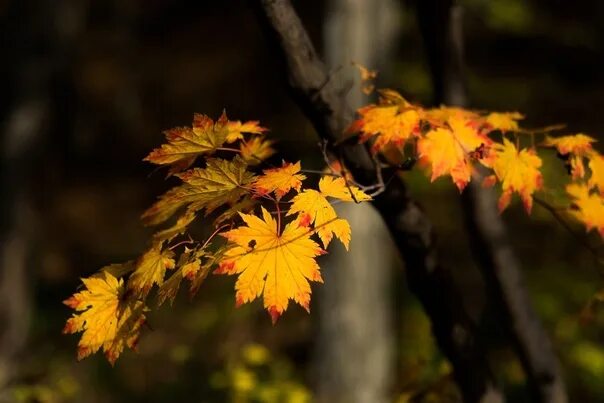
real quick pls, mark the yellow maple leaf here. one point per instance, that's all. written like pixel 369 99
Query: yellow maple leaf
pixel 189 266
pixel 221 182
pixel 314 208
pixel 439 116
pixel 179 227
pixel 576 147
pixel 596 165
pixel 276 265
pixel 109 317
pixel 236 129
pixel 578 144
pixel 279 180
pixel 256 150
pixel 504 121
pixel 184 144
pixel 518 171
pixel 449 151
pixel 587 207
pixel 338 188
pixel 150 269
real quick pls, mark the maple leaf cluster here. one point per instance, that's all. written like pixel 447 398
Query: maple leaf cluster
pixel 460 143
pixel 269 229
pixel 270 225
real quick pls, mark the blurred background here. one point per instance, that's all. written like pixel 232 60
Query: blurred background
pixel 89 85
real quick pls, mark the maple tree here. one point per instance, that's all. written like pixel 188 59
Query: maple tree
pixel 271 224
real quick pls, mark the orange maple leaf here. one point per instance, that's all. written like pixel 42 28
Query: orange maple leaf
pixel 449 151
pixel 314 208
pixel 276 265
pixel 109 318
pixel 256 150
pixel 576 147
pixel 587 207
pixel 518 171
pixel 279 180
pixel 389 124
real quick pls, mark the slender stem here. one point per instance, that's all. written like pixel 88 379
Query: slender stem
pixel 278 217
pixel 235 150
pixel 216 231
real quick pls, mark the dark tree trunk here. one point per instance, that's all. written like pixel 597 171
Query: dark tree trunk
pixel 410 228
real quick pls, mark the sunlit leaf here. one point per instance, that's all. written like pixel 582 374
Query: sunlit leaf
pixel 276 265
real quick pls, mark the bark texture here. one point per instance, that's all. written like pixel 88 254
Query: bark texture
pixel 410 228
pixel 354 355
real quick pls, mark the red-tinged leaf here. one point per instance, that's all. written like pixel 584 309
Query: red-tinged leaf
pixel 109 317
pixel 279 180
pixel 278 266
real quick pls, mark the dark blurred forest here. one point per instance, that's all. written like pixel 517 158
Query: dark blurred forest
pixel 88 87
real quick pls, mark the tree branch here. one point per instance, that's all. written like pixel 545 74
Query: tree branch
pixel 410 228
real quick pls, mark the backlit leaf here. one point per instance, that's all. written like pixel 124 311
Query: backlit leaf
pixel 256 150
pixel 276 265
pixel 588 207
pixel 109 317
pixel 518 171
pixel 279 180
pixel 575 147
pixel 221 182
pixel 314 208
pixel 504 121
pixel 150 269
pixel 449 151
pixel 596 165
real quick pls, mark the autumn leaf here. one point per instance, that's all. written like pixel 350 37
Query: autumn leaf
pixel 150 269
pixel 449 151
pixel 366 76
pixel 279 180
pixel 388 124
pixel 221 182
pixel 338 188
pixel 587 207
pixel 314 208
pixel 504 121
pixel 236 129
pixel 189 263
pixel 596 165
pixel 276 265
pixel 437 117
pixel 184 144
pixel 518 171
pixel 575 147
pixel 108 317
pixel 256 150
pixel 179 227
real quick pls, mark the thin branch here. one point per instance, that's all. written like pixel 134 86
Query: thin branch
pixel 411 230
